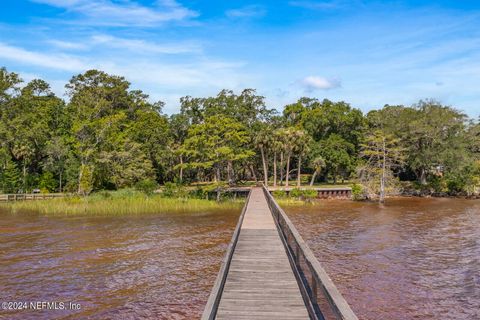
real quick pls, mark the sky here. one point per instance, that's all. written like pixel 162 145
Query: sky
pixel 367 53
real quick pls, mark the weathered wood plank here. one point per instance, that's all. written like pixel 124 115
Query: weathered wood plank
pixel 260 283
pixel 320 279
pixel 257 281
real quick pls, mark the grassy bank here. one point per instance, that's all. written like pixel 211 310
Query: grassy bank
pixel 285 202
pixel 118 203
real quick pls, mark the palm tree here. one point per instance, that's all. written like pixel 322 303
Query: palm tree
pixel 280 144
pixel 263 141
pixel 294 141
pixel 318 164
pixel 277 147
pixel 302 142
pixel 289 145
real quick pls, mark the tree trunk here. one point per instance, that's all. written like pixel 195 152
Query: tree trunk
pixel 229 177
pixel 24 176
pixel 423 177
pixel 281 168
pixel 252 171
pixel 80 175
pixel 61 181
pixel 230 173
pixel 265 169
pixel 382 179
pixel 275 169
pixel 288 170
pixel 181 169
pixel 314 175
pixel 218 176
pixel 299 171
pixel 243 173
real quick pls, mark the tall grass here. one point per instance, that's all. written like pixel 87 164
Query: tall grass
pixel 118 203
pixel 285 202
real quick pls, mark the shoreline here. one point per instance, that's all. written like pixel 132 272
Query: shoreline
pixel 116 205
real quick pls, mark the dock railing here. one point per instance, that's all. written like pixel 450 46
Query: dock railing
pixel 211 307
pixel 322 298
pixel 29 196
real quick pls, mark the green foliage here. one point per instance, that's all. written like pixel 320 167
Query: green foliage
pixel 465 181
pixel 126 165
pixel 214 143
pixel 381 153
pixel 321 119
pixel 438 184
pixel 357 192
pixel 279 194
pixel 86 180
pixel 108 136
pixel 10 177
pixel 295 193
pixel 199 193
pixel 47 182
pixel 433 135
pixel 146 186
pixel 338 155
pixel 173 190
pixel 309 194
pixel 169 189
pixel 318 164
pixel 456 184
pixel 105 194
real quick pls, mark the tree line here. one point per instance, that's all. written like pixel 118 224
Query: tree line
pixel 106 135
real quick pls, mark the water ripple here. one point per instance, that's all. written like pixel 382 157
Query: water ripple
pixel 410 259
pixel 143 267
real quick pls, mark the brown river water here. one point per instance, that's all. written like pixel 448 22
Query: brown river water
pixel 138 267
pixel 410 259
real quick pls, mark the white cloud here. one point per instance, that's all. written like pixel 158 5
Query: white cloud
pixel 58 62
pixel 192 74
pixel 142 46
pixel 246 12
pixel 196 74
pixel 316 5
pixel 67 45
pixel 312 83
pixel 124 13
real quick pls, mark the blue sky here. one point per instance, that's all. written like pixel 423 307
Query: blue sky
pixel 368 53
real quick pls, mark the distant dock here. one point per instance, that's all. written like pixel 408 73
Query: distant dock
pixel 29 196
pixel 322 193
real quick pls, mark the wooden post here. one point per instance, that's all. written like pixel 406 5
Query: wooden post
pixel 314 288
pixel 297 254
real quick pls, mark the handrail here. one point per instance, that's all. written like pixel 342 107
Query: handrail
pixel 211 307
pixel 313 277
pixel 30 196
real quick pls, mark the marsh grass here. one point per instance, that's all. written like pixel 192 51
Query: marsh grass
pixel 119 203
pixel 291 202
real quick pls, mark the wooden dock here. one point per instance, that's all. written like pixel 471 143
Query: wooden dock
pixel 322 193
pixel 259 278
pixel 29 196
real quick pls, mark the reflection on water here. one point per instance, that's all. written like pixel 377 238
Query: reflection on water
pixel 153 266
pixel 410 259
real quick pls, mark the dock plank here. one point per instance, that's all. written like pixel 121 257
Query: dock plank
pixel 260 283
